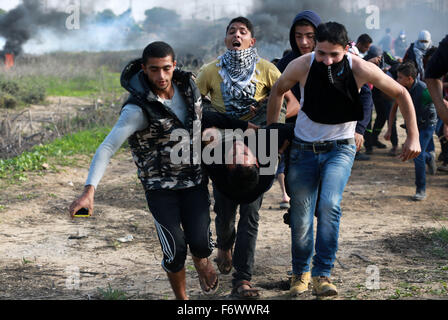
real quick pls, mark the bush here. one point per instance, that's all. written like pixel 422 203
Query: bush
pixel 19 92
pixel 8 101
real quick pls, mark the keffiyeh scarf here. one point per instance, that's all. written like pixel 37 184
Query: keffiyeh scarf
pixel 237 71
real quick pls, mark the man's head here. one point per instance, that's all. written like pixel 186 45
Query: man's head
pixel 374 55
pixel 242 166
pixel 364 42
pixel 304 30
pixel 332 43
pixel 240 34
pixel 424 40
pixel 158 63
pixel 406 74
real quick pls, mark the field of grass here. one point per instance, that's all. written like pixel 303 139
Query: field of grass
pixel 60 152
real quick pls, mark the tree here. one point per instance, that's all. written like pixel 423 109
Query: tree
pixel 158 17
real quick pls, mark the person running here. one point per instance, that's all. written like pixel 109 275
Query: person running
pixel 302 40
pixel 239 83
pixel 324 148
pixel 162 99
pixel 426 122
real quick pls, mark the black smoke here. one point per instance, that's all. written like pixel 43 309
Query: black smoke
pixel 23 22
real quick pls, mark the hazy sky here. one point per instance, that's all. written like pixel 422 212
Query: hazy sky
pixel 205 8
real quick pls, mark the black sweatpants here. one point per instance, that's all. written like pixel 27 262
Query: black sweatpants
pixel 182 218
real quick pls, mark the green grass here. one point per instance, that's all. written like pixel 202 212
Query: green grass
pixel 112 294
pixel 83 86
pixel 440 235
pixel 59 152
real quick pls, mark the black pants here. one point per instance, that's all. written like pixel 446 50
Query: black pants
pixel 244 238
pixel 182 217
pixel 382 109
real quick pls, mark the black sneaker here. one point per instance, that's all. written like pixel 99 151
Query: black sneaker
pixel 361 157
pixel 379 145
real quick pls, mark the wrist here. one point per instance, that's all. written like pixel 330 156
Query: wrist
pixel 89 190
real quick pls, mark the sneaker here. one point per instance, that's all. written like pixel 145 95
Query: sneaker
pixel 379 145
pixel 300 283
pixel 443 167
pixel 322 286
pixel 419 196
pixel 361 157
pixel 393 152
pixel 369 150
pixel 432 165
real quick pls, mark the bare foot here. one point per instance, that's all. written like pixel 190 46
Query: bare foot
pixel 224 261
pixel 208 278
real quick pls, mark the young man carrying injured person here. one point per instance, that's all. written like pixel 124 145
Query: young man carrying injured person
pixel 162 100
pixel 324 147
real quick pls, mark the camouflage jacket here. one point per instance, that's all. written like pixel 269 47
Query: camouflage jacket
pixel 151 147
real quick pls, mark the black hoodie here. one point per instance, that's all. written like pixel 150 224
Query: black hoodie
pixel 315 20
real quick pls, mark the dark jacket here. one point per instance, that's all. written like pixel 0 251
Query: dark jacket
pixel 295 53
pixel 151 147
pixel 424 107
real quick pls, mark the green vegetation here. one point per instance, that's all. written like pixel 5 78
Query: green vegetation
pixel 58 152
pixel 112 294
pixel 15 93
pixel 440 235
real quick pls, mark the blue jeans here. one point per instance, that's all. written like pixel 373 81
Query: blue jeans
pixel 317 178
pixel 426 136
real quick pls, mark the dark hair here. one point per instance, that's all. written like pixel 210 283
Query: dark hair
pixel 408 69
pixel 243 178
pixel 364 39
pixel 244 21
pixel 157 49
pixel 286 52
pixel 304 23
pixel 332 32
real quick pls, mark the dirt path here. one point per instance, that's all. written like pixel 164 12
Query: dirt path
pixel 45 255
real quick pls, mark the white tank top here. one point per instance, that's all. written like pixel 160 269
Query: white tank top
pixel 310 131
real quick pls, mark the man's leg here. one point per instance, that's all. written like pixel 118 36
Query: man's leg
pixel 246 238
pixel 165 208
pixel 303 185
pixel 195 208
pixel 336 171
pixel 420 163
pixel 225 210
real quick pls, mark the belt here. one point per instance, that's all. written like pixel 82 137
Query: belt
pixel 321 146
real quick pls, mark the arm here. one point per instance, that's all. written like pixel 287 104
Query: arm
pixel 130 121
pixel 293 73
pixel 292 105
pixel 368 72
pixel 367 106
pixel 223 121
pixel 435 88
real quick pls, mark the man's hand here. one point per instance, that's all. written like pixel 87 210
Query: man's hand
pixel 359 140
pixel 251 125
pixel 84 201
pixel 253 111
pixel 411 149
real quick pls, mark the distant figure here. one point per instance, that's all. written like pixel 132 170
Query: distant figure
pixel 417 51
pixel 386 41
pixel 363 44
pixel 400 44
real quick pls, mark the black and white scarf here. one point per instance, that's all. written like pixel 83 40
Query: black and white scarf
pixel 237 70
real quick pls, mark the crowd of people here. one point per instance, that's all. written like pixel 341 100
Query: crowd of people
pixel 312 109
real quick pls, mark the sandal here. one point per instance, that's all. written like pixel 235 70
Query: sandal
pixel 241 293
